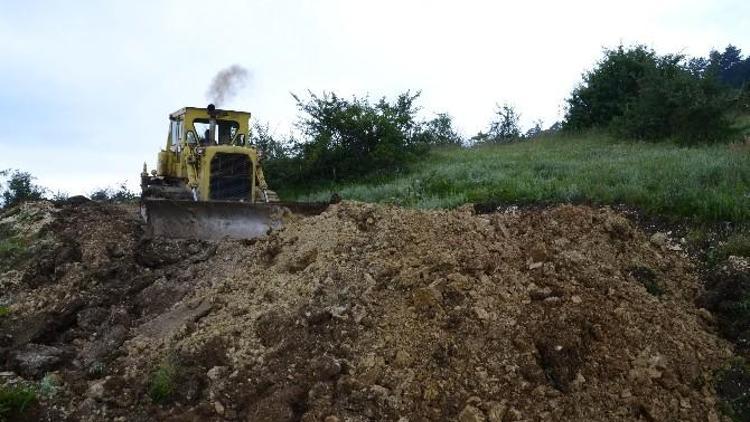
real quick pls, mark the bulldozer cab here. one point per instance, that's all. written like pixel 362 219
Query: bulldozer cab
pixel 193 125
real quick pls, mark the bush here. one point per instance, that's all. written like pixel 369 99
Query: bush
pixel 440 132
pixel 280 164
pixel 344 139
pixel 270 147
pixel 638 94
pixel 12 249
pixel 162 385
pixel 729 67
pixel 14 401
pixel 19 187
pixel 350 138
pixel 505 128
pixel 119 194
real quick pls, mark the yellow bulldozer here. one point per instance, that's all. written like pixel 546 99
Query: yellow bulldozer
pixel 209 182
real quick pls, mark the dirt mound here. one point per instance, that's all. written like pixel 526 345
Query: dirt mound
pixel 367 312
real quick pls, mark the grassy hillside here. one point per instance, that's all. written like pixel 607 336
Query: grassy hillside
pixel 710 183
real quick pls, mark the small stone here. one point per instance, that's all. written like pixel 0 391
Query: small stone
pixel 579 381
pixel 216 372
pixel 474 401
pixel 540 294
pixel 535 265
pixel 430 393
pixel 36 359
pixel 326 367
pixel 658 239
pixel 331 418
pixel 471 414
pixel 514 414
pixel 481 313
pixel 576 299
pixel 96 390
pixel 706 315
pixel 218 407
pixel 496 412
pixel 379 391
pixel 402 359
pixel 538 254
pixel 426 298
pixel 88 405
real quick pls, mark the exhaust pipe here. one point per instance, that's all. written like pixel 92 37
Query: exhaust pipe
pixel 211 123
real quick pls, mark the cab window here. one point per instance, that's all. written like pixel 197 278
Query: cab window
pixel 226 131
pixel 175 134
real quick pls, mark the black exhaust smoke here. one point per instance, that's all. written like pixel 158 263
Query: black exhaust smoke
pixel 226 84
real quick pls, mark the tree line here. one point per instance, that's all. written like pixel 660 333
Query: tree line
pixel 637 94
pixel 17 186
pixel 631 92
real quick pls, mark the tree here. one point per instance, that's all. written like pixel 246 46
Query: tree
pixel 505 127
pixel 729 67
pixel 270 147
pixel 281 164
pixel 698 66
pixel 440 131
pixel 19 187
pixel 607 89
pixel 638 94
pixel 353 137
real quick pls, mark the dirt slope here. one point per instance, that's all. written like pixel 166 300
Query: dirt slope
pixel 365 312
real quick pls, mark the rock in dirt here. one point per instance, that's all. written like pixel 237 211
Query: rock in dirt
pixel 471 414
pixel 659 239
pixel 216 373
pixel 34 360
pixel 96 390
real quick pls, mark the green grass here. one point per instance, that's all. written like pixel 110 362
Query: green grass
pixel 162 385
pixel 48 386
pixel 11 250
pixel 742 123
pixel 737 244
pixel 14 401
pixel 707 183
pixel 4 311
pixel 10 247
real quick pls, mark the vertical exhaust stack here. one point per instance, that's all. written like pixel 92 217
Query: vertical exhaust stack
pixel 211 123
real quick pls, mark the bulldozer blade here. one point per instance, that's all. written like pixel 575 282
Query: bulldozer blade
pixel 218 220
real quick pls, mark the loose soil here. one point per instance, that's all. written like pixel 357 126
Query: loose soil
pixel 364 312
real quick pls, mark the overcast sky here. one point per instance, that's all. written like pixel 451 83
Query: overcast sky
pixel 86 87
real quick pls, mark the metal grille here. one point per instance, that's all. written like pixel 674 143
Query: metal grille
pixel 231 177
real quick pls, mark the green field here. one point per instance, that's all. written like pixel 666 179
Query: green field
pixel 707 183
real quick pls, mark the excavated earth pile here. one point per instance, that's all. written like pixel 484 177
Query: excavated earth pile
pixel 365 312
